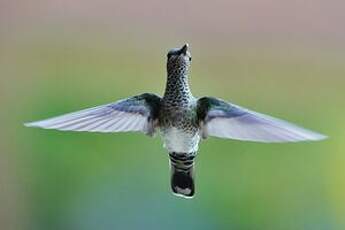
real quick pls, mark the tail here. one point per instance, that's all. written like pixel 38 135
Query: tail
pixel 182 174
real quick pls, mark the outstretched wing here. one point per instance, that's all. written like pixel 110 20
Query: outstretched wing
pixel 222 119
pixel 137 113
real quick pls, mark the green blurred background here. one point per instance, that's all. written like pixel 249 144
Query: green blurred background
pixel 284 58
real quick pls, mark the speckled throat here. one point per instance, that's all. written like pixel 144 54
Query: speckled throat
pixel 177 91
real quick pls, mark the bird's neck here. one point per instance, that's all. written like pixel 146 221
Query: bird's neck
pixel 177 88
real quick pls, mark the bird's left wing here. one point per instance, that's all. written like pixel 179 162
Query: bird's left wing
pixel 138 113
pixel 222 119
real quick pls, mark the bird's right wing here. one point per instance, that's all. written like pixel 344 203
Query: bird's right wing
pixel 222 119
pixel 138 113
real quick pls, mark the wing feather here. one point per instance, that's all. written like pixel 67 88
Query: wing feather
pixel 132 114
pixel 226 120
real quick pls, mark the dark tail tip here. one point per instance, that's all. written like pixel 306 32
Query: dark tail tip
pixel 182 175
pixel 182 184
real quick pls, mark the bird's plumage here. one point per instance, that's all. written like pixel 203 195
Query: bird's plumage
pixel 182 120
pixel 137 113
pixel 222 119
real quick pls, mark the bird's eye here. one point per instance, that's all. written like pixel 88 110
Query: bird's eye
pixel 190 58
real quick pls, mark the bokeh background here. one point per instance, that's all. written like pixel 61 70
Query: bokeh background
pixel 284 58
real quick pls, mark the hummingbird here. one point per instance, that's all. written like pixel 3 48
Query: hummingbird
pixel 182 121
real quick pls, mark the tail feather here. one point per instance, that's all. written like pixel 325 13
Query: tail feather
pixel 182 174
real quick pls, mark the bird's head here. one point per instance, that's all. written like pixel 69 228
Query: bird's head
pixel 179 60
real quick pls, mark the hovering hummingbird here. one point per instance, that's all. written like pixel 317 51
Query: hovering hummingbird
pixel 182 121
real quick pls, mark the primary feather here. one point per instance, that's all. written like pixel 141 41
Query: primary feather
pixel 226 120
pixel 137 113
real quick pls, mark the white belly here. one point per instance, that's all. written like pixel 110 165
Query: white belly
pixel 175 140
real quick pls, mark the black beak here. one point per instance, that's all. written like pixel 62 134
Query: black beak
pixel 184 49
